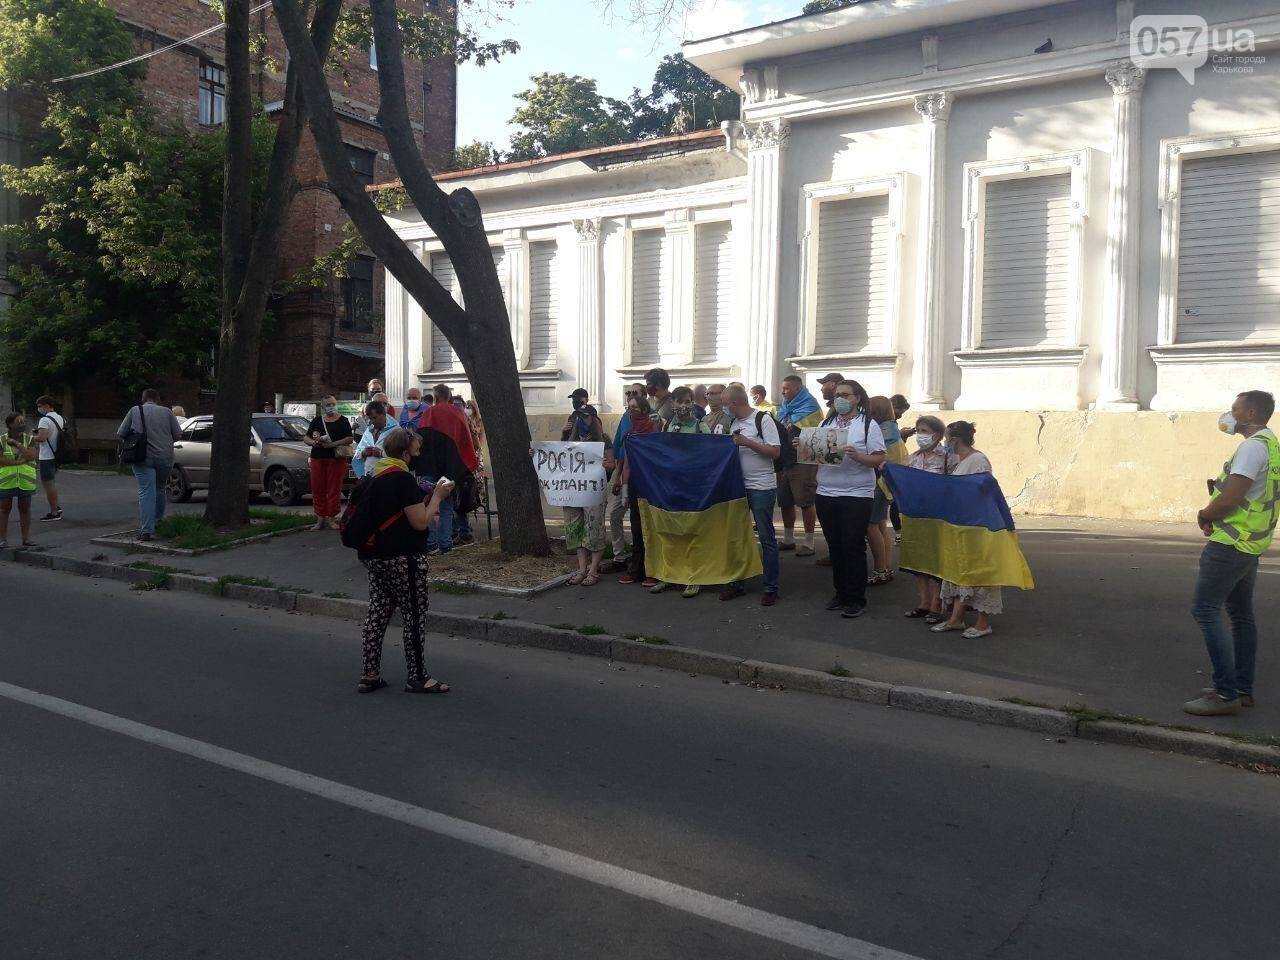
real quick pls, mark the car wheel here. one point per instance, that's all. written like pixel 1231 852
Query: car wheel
pixel 177 490
pixel 281 488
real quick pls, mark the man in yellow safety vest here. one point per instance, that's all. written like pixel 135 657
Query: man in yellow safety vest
pixel 1239 521
pixel 18 456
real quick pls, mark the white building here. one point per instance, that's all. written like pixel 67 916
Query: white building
pixel 982 204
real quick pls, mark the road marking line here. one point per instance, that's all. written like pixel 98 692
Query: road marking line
pixel 826 943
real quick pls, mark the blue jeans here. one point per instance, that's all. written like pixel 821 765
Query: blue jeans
pixel 152 476
pixel 762 503
pixel 440 533
pixel 1226 579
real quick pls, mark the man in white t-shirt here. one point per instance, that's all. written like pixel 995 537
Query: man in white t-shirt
pixel 759 445
pixel 1240 521
pixel 49 435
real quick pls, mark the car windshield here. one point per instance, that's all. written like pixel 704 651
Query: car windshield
pixel 279 429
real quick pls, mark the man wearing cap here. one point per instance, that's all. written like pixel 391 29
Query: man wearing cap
pixel 828 384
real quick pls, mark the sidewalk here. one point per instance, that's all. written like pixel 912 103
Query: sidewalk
pixel 1108 625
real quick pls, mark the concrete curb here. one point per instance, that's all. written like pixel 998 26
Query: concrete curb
pixel 125 541
pixel 519 633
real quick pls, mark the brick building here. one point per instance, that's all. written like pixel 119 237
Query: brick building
pixel 329 339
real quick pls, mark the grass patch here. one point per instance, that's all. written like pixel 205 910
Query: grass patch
pixel 190 532
pixel 450 587
pixel 156 567
pixel 561 626
pixel 98 557
pixel 838 669
pixel 592 630
pixel 498 615
pixel 158 582
pixel 336 595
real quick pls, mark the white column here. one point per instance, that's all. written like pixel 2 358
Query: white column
pixel 677 333
pixel 516 251
pixel 1119 388
pixel 926 384
pixel 590 317
pixel 766 141
pixel 398 313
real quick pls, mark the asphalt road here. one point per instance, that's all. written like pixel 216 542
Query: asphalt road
pixel 266 810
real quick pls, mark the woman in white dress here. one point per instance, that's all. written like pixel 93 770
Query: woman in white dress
pixel 963 460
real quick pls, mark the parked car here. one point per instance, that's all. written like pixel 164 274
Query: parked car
pixel 278 459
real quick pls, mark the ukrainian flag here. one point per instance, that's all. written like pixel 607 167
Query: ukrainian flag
pixel 958 528
pixel 693 508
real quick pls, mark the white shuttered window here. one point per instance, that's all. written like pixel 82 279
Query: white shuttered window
pixel 852 297
pixel 650 294
pixel 442 355
pixel 1229 248
pixel 544 304
pixel 1026 262
pixel 713 269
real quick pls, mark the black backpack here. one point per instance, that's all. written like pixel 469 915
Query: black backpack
pixel 357 526
pixel 787 458
pixel 65 446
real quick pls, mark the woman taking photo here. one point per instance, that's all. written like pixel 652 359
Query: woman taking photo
pixel 845 494
pixel 332 443
pixel 395 556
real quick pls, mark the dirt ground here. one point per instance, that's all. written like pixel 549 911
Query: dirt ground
pixel 484 562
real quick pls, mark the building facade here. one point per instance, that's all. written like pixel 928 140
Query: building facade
pixel 998 214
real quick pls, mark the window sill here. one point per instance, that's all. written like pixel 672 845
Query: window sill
pixel 1021 357
pixel 1216 351
pixel 551 374
pixel 704 369
pixel 863 361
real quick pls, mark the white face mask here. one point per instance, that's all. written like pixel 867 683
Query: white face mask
pixel 1227 423
pixel 926 441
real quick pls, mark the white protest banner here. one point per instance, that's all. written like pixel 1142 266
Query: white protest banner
pixel 822 445
pixel 571 474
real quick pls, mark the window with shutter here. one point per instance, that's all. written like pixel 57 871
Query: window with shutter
pixel 544 304
pixel 442 355
pixel 650 294
pixel 714 305
pixel 1229 248
pixel 1026 262
pixel 852 296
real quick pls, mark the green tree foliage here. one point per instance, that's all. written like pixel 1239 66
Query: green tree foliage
pixel 822 6
pixel 477 153
pixel 560 113
pixel 682 99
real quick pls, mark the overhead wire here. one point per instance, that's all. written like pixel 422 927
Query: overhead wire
pixel 153 53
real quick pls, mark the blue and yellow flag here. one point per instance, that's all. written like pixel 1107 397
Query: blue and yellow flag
pixel 958 528
pixel 693 508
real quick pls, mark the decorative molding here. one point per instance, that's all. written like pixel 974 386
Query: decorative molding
pixel 1217 351
pixel 851 361
pixel 588 229
pixel 752 84
pixel 1021 357
pixel 976 177
pixel 1173 151
pixel 768 134
pixel 812 197
pixel 929 52
pixel 934 107
pixel 1126 78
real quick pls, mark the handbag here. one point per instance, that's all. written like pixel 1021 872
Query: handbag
pixel 133 446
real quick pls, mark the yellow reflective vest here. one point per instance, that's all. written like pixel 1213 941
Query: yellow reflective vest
pixel 1249 528
pixel 20 477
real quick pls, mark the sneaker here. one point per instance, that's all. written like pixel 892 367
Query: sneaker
pixel 853 611
pixel 835 603
pixel 691 591
pixel 1211 705
pixel 769 599
pixel 51 516
pixel 658 587
pixel 1246 699
pixel 731 593
pixel 804 550
pixel 144 537
pixel 465 540
pixel 650 582
pixel 626 578
pixel 785 547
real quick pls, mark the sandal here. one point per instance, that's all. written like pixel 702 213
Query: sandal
pixel 370 684
pixel 917 613
pixel 430 685
pixel 590 580
pixel 935 618
pixel 946 626
pixel 576 579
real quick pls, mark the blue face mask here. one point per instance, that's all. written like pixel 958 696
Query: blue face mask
pixel 412 404
pixel 843 406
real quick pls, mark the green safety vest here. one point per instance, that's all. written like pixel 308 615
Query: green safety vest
pixel 23 476
pixel 1249 528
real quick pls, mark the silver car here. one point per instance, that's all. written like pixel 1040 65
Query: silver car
pixel 278 459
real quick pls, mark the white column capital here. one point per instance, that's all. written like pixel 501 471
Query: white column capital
pixel 934 107
pixel 768 134
pixel 1126 78
pixel 588 230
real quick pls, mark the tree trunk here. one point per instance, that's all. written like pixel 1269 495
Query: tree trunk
pixel 481 335
pixel 249 269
